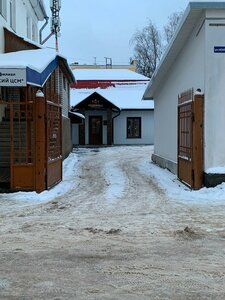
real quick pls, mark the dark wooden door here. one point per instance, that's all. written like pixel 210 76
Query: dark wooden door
pixel 95 130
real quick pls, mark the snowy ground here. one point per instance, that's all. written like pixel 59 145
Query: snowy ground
pixel 116 182
pixel 117 227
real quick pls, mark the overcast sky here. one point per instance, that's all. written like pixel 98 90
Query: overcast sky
pixel 103 28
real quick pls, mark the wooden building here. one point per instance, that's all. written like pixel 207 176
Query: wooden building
pixel 31 98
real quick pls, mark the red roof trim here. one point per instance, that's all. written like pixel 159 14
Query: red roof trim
pixel 93 84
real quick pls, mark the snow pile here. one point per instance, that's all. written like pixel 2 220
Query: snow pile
pixel 68 182
pixel 177 190
pixel 216 170
pixel 115 180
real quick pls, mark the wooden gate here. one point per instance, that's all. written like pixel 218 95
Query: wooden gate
pixel 30 141
pixel 190 139
pixel 54 144
pixel 17 135
pixel 22 136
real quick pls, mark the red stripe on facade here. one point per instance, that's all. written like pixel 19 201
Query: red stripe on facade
pixel 93 84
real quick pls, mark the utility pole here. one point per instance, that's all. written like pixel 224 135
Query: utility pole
pixel 55 21
pixel 55 6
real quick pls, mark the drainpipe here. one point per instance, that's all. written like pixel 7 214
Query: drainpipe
pixel 42 28
pixel 113 125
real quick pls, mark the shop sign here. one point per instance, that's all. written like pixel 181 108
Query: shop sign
pixel 13 77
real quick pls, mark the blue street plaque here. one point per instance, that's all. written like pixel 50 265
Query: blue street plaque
pixel 219 49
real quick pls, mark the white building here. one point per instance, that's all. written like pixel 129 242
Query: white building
pixel 114 111
pixel 21 17
pixel 195 59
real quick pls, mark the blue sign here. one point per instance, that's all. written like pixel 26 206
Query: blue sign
pixel 219 49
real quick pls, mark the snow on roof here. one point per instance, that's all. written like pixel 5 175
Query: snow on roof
pixel 79 115
pixel 121 97
pixel 36 59
pixel 39 63
pixel 108 74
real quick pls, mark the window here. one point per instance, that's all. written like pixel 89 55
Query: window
pixel 34 32
pixel 3 10
pixel 134 128
pixel 28 27
pixel 12 6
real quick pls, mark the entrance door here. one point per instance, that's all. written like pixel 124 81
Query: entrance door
pixel 95 130
pixel 190 139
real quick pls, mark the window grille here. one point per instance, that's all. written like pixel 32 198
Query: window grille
pixel 54 132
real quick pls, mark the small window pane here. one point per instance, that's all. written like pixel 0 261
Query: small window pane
pixel 13 14
pixel 134 127
pixel 28 27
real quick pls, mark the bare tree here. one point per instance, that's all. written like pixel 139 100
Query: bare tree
pixel 147 49
pixel 170 28
pixel 148 44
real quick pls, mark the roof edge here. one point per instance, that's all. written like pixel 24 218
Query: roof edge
pixel 192 6
pixel 39 8
pixel 95 92
pixel 207 5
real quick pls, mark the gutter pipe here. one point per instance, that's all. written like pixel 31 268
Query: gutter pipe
pixel 41 30
pixel 113 124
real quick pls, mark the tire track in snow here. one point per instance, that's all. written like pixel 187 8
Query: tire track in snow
pixel 115 179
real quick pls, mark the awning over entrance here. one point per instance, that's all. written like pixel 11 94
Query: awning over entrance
pixel 32 67
pixel 75 117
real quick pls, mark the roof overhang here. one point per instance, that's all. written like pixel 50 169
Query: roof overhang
pixel 76 118
pixel 16 71
pixel 39 8
pixel 191 17
pixel 95 106
pixel 17 77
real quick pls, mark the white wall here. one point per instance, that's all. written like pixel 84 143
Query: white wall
pixel 3 23
pixel 75 134
pixel 187 72
pixel 120 128
pixel 23 8
pixel 215 92
pixel 147 128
